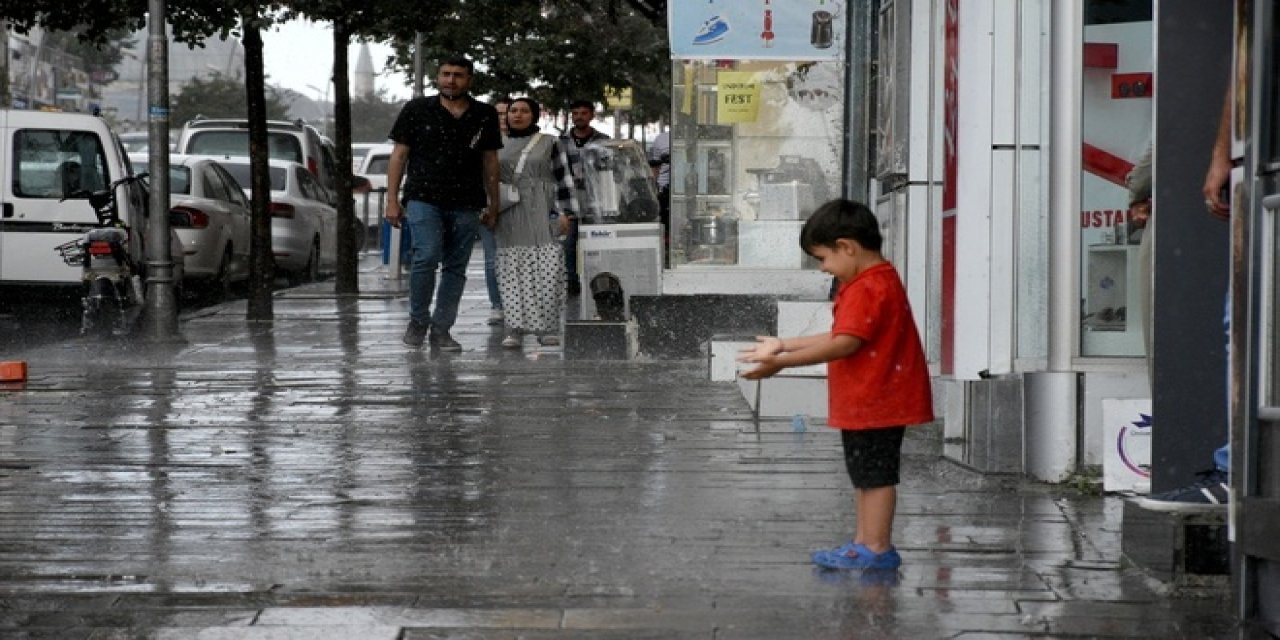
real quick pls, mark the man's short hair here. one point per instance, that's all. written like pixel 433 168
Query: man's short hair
pixel 582 104
pixel 839 219
pixel 459 61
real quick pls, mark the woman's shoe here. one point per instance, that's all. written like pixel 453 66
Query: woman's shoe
pixel 512 340
pixel 549 340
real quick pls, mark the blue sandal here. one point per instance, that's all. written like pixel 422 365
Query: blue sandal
pixel 857 556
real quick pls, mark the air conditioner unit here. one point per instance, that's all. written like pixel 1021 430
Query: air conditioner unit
pixel 630 252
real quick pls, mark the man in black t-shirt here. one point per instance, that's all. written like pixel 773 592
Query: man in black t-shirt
pixel 449 143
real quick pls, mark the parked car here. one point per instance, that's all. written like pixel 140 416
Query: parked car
pixel 358 151
pixel 291 141
pixel 303 223
pixel 52 160
pixel 209 212
pixel 369 205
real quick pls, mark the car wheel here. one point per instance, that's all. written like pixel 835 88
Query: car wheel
pixel 220 288
pixel 312 270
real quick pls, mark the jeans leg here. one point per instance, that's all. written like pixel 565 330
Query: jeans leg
pixel 425 224
pixel 490 244
pixel 461 226
pixel 571 253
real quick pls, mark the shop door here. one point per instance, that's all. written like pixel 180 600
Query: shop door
pixel 1256 371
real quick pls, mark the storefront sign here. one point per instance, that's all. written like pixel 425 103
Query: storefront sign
pixel 763 30
pixel 739 96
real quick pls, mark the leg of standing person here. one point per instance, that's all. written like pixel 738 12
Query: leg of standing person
pixel 571 259
pixel 872 459
pixel 459 230
pixel 489 242
pixel 424 221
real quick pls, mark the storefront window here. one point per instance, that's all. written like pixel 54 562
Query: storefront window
pixel 1116 120
pixel 756 147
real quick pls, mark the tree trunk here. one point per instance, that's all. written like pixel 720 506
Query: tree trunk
pixel 262 263
pixel 346 280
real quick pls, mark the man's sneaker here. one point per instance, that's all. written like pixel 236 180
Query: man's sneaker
pixel 1210 493
pixel 495 316
pixel 415 333
pixel 443 341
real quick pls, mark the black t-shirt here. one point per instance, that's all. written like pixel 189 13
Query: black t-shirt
pixel 446 154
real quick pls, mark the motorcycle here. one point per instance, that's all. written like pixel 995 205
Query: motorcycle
pixel 112 289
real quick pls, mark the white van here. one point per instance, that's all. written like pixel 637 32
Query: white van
pixel 44 158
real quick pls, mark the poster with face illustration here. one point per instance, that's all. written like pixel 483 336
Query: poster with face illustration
pixel 757 29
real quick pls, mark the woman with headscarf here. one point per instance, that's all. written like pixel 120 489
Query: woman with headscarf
pixel 530 258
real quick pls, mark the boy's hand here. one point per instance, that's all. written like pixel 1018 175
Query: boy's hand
pixel 766 370
pixel 766 347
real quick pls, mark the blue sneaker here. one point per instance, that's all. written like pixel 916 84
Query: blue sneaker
pixel 857 557
pixel 713 30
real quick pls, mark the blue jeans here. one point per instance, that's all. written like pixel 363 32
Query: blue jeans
pixel 490 244
pixel 441 238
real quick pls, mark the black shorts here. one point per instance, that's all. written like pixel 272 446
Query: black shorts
pixel 873 456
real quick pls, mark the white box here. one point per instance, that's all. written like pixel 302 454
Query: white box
pixel 770 244
pixel 632 252
pixel 1126 456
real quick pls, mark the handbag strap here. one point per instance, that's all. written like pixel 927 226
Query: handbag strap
pixel 524 154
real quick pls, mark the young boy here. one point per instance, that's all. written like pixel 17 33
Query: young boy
pixel 877 377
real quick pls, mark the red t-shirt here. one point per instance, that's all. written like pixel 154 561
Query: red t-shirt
pixel 885 383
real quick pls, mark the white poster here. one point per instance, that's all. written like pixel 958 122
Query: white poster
pixel 757 29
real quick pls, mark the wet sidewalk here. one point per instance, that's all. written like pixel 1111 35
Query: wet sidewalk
pixel 317 479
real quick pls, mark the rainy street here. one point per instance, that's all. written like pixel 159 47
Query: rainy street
pixel 315 478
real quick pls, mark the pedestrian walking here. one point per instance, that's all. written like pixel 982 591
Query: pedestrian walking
pixel 581 113
pixel 877 376
pixel 530 257
pixel 449 145
pixel 487 240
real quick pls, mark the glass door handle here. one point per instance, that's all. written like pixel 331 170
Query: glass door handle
pixel 1271 202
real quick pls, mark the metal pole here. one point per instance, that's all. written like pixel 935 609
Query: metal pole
pixel 393 251
pixel 859 36
pixel 162 304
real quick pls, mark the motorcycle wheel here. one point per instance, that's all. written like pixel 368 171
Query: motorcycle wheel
pixel 101 310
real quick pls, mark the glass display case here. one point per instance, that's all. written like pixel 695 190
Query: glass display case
pixel 755 148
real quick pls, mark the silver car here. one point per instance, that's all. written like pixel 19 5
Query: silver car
pixel 210 215
pixel 303 224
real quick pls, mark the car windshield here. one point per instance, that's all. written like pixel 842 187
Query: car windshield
pixel 179 180
pixel 236 143
pixel 279 177
pixel 378 165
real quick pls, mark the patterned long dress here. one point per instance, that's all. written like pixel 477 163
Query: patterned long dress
pixel 530 258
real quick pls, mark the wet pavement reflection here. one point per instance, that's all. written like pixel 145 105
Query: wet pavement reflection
pixel 314 478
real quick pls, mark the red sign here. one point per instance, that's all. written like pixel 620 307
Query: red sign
pixel 950 128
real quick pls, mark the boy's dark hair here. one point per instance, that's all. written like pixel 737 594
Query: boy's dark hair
pixel 579 104
pixel 841 219
pixel 459 61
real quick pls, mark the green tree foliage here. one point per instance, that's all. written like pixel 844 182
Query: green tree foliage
pixel 101 54
pixel 220 97
pixel 372 117
pixel 558 51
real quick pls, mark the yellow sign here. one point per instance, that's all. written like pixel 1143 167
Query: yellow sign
pixel 618 98
pixel 738 93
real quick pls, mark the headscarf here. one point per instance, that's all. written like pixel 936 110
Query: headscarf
pixel 533 128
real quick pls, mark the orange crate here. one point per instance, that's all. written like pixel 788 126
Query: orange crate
pixel 13 371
